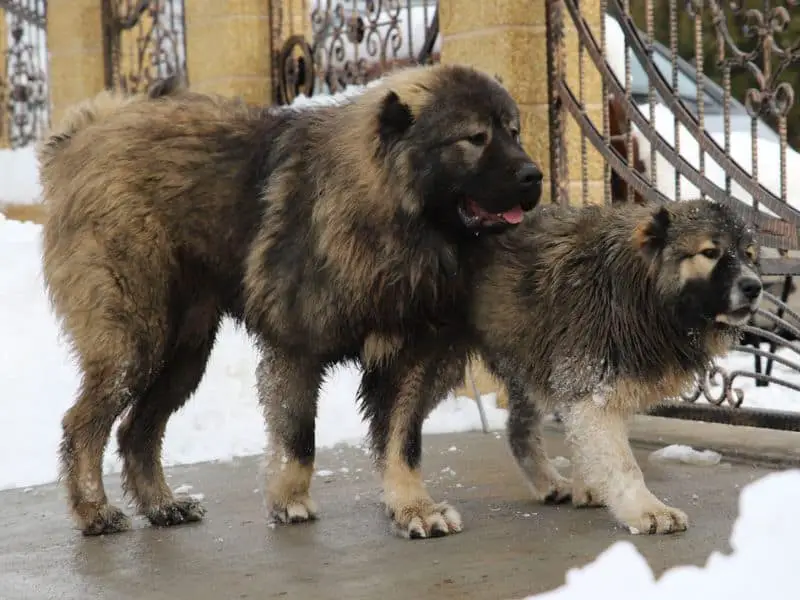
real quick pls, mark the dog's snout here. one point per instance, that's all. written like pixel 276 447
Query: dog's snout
pixel 529 175
pixel 750 287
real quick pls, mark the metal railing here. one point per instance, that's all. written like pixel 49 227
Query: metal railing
pixel 698 103
pixel 352 43
pixel 24 99
pixel 144 41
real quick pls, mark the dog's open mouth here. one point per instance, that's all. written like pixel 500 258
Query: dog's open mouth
pixel 474 216
pixel 735 317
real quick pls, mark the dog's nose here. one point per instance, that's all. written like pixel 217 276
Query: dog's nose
pixel 529 175
pixel 750 287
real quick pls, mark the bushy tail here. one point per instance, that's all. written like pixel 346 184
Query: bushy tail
pixel 95 109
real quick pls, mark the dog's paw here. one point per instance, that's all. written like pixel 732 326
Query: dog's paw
pixel 426 519
pixel 657 518
pixel 297 510
pixel 584 497
pixel 176 512
pixel 552 489
pixel 104 519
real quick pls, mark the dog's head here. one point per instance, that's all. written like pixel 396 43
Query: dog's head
pixel 704 260
pixel 456 131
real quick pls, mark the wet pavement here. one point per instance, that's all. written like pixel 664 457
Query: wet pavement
pixel 510 548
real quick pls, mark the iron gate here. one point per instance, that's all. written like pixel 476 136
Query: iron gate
pixel 352 43
pixel 24 101
pixel 696 103
pixel 144 41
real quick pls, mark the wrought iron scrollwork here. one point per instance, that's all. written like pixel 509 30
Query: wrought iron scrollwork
pixel 295 70
pixel 354 43
pixel 763 28
pixel 24 91
pixel 153 31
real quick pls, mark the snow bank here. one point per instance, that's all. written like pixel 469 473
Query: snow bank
pixel 686 455
pixel 762 564
pixel 19 177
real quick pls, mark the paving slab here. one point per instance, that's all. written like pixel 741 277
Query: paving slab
pixel 511 547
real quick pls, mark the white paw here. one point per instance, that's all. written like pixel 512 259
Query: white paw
pixel 297 510
pixel 584 497
pixel 655 518
pixel 424 520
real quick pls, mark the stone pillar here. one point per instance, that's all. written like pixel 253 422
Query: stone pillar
pixel 508 38
pixel 228 47
pixel 76 55
pixel 3 79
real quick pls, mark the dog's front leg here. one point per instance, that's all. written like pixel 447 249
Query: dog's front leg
pixel 605 464
pixel 524 431
pixel 397 401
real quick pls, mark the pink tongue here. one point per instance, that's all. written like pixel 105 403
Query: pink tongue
pixel 514 215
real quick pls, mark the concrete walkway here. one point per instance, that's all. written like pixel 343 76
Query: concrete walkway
pixel 510 548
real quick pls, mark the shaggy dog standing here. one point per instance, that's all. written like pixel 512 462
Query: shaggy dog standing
pixel 599 312
pixel 333 233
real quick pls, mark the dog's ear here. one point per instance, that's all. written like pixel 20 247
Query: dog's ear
pixel 394 119
pixel 651 234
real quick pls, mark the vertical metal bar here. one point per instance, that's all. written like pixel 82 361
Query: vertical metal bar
pixel 582 104
pixel 651 94
pixel 698 55
pixel 629 102
pixel 555 70
pixel 673 48
pixel 605 95
pixel 726 101
pixel 477 395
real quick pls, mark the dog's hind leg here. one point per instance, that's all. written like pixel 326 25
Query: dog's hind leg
pixel 141 433
pixel 288 388
pixel 397 401
pixel 106 390
pixel 524 431
pixel 605 463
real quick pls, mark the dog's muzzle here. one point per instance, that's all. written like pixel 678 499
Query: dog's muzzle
pixel 745 298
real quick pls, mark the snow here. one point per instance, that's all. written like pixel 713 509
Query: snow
pixel 761 564
pixel 685 455
pixel 19 177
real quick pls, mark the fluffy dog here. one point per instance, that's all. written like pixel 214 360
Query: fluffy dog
pixel 333 233
pixel 599 312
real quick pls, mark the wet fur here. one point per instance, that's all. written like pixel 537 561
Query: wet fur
pixel 330 233
pixel 589 311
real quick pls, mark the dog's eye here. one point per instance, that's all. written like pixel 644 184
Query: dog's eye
pixel 514 133
pixel 751 254
pixel 711 253
pixel 478 139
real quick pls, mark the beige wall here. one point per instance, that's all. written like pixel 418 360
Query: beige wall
pixel 75 44
pixel 228 47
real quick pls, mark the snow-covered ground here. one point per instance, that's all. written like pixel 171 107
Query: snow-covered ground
pixel 762 564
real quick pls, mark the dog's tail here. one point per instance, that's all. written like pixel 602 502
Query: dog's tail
pixel 97 108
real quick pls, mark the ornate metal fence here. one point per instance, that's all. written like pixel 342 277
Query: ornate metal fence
pixel 697 101
pixel 24 102
pixel 351 42
pixel 144 42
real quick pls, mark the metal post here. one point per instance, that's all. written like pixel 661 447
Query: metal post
pixel 481 410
